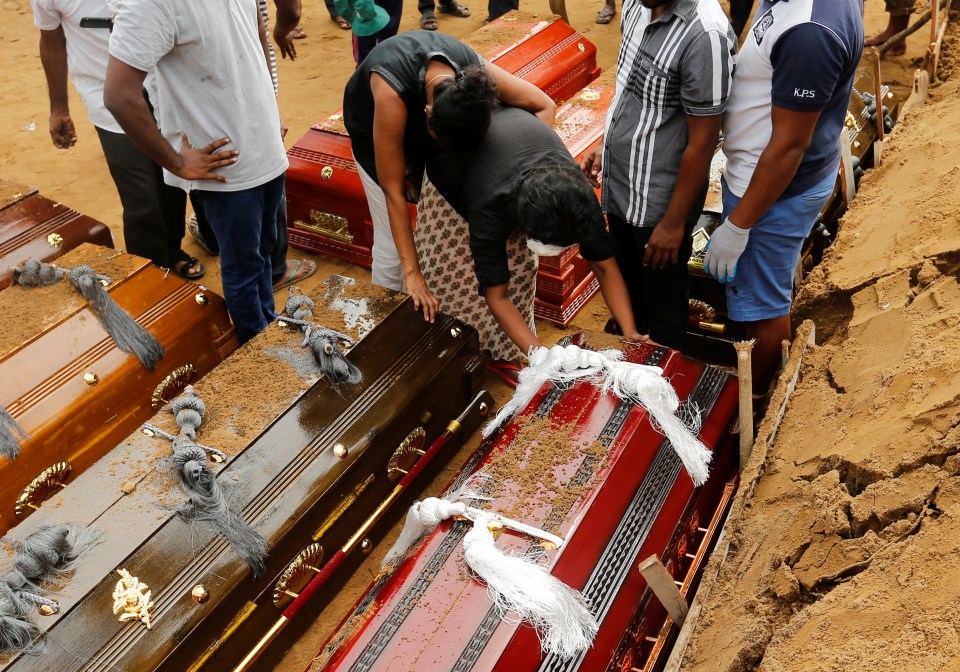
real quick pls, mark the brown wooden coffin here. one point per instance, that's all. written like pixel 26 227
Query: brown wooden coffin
pixel 307 463
pixel 588 467
pixel 327 206
pixel 72 390
pixel 32 225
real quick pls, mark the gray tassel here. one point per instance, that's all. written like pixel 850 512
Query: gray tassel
pixel 207 501
pixel 323 342
pixel 35 273
pixel 47 553
pixel 9 429
pixel 126 333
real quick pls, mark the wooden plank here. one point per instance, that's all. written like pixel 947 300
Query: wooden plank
pixel 665 588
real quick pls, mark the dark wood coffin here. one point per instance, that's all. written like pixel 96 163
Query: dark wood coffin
pixel 72 390
pixel 327 206
pixel 604 480
pixel 32 225
pixel 307 463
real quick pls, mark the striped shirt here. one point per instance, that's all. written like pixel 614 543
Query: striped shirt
pixel 272 54
pixel 679 65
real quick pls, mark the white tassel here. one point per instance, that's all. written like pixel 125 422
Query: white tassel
pixel 559 364
pixel 639 383
pixel 424 516
pixel 517 584
pixel 656 394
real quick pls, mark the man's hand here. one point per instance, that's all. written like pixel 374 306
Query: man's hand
pixel 417 288
pixel 199 164
pixel 281 35
pixel 724 249
pixel 664 245
pixel 62 132
pixel 592 162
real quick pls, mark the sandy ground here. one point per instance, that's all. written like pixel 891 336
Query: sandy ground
pixel 855 514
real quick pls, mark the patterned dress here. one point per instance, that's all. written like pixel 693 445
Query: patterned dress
pixel 443 246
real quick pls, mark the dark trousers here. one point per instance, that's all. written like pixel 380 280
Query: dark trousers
pixel 278 260
pixel 739 14
pixel 424 6
pixel 497 8
pixel 659 297
pixel 364 45
pixel 331 9
pixel 153 212
pixel 245 223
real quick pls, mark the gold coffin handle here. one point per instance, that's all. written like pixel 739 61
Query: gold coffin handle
pixel 173 385
pixel 326 224
pixel 47 482
pixel 297 575
pixel 406 454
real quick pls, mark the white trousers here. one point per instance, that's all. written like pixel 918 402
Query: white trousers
pixel 386 270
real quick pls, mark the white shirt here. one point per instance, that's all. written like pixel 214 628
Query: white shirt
pixel 212 80
pixel 87 53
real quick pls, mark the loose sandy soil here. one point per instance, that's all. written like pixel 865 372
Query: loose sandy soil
pixel 844 559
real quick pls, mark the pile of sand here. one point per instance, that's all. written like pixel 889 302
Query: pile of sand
pixel 843 559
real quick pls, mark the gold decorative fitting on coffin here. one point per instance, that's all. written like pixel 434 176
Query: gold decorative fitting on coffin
pixel 484 408
pixel 47 482
pixel 201 298
pixel 173 385
pixel 456 331
pixel 326 224
pixel 581 47
pixel 297 575
pixel 702 310
pixel 406 454
pixel 366 546
pixel 90 378
pixel 326 172
pixel 132 599
pixel 55 240
pixel 589 95
pixel 340 450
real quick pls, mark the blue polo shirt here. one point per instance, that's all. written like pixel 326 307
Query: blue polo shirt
pixel 799 55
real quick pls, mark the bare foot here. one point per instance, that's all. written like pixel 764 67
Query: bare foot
pixel 895 25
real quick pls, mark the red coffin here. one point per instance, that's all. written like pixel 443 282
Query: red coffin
pixel 32 225
pixel 327 209
pixel 618 499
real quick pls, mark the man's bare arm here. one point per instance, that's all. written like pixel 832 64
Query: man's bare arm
pixel 53 57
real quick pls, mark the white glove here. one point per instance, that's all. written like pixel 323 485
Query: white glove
pixel 724 249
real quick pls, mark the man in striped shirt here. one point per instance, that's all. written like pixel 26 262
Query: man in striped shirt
pixel 673 77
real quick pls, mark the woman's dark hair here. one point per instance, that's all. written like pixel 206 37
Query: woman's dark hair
pixel 461 108
pixel 556 205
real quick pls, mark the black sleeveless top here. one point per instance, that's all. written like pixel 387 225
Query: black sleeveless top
pixel 401 61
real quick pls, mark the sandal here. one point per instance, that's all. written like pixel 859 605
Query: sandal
pixel 297 34
pixel 605 16
pixel 188 267
pixel 506 371
pixel 294 272
pixel 340 21
pixel 453 7
pixel 428 21
pixel 194 228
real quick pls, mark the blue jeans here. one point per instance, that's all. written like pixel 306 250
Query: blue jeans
pixel 245 224
pixel 763 287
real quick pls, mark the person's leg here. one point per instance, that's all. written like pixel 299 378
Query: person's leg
pixel 203 234
pixel 247 238
pixel 273 204
pixel 386 269
pixel 761 293
pixel 497 8
pixel 173 208
pixel 133 173
pixel 629 256
pixel 666 294
pixel 607 12
pixel 278 260
pixel 899 12
pixel 395 10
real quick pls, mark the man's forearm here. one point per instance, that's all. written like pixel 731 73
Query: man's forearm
pixel 773 174
pixel 130 110
pixel 288 15
pixel 691 180
pixel 53 57
pixel 615 294
pixel 510 320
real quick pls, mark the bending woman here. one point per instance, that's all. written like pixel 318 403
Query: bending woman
pixel 519 194
pixel 384 111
